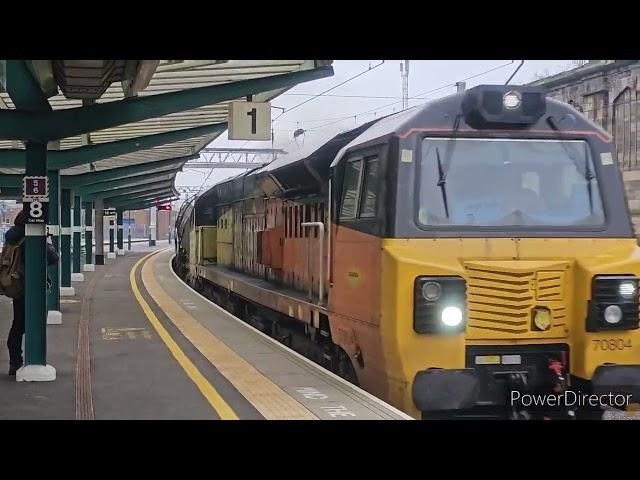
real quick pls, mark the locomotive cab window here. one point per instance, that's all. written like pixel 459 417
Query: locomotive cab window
pixel 541 183
pixel 360 188
pixel 369 191
pixel 350 189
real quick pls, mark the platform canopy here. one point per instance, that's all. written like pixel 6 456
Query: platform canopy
pixel 115 127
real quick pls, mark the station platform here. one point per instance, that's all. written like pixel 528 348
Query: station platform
pixel 137 343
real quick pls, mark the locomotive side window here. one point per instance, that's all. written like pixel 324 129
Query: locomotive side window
pixel 369 188
pixel 350 189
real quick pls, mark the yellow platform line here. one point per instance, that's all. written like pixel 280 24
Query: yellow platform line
pixel 267 397
pixel 222 408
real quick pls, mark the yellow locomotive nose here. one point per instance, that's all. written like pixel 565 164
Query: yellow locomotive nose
pixel 542 319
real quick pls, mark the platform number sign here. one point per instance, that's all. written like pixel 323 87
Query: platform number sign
pixel 249 121
pixel 253 113
pixel 35 199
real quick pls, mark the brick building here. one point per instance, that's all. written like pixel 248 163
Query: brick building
pixel 139 220
pixel 608 93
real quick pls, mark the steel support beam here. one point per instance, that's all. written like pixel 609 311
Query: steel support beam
pixel 23 88
pixel 100 189
pixel 75 182
pixel 11 180
pixel 73 157
pixel 122 200
pixel 246 165
pixel 118 192
pixel 12 158
pixel 11 192
pixel 64 123
pixel 93 153
pixel 149 203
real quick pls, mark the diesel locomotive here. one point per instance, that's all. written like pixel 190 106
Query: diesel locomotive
pixel 440 257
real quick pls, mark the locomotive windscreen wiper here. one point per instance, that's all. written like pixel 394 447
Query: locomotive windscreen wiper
pixel 442 178
pixel 443 168
pixel 586 173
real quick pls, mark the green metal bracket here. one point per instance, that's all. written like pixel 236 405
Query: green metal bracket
pixel 92 153
pixel 23 88
pixel 117 192
pixel 45 126
pixel 150 203
pixel 11 180
pixel 76 181
pixel 119 201
pixel 96 189
pixel 72 157
pixel 12 158
pixel 11 192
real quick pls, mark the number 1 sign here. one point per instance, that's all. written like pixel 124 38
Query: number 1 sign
pixel 249 121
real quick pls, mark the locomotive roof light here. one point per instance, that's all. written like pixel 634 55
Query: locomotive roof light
pixel 511 100
pixel 509 105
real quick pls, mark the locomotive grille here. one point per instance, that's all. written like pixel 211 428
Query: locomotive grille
pixel 501 301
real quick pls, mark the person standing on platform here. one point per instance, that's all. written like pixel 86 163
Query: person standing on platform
pixel 12 283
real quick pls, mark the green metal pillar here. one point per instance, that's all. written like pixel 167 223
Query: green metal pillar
pixel 36 367
pixel 129 232
pixel 88 237
pixel 76 275
pixel 99 223
pixel 119 222
pixel 112 251
pixel 153 221
pixel 54 316
pixel 66 289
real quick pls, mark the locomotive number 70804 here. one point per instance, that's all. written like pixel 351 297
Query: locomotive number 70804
pixel 612 344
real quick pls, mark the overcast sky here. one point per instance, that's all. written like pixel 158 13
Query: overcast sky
pixel 322 117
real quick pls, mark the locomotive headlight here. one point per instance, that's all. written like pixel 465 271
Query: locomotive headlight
pixel 451 316
pixel 613 314
pixel 431 291
pixel 614 303
pixel 439 305
pixel 627 289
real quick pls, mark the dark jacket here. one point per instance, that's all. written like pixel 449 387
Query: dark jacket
pixel 16 233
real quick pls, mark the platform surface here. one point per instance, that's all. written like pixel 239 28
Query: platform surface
pixel 137 343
